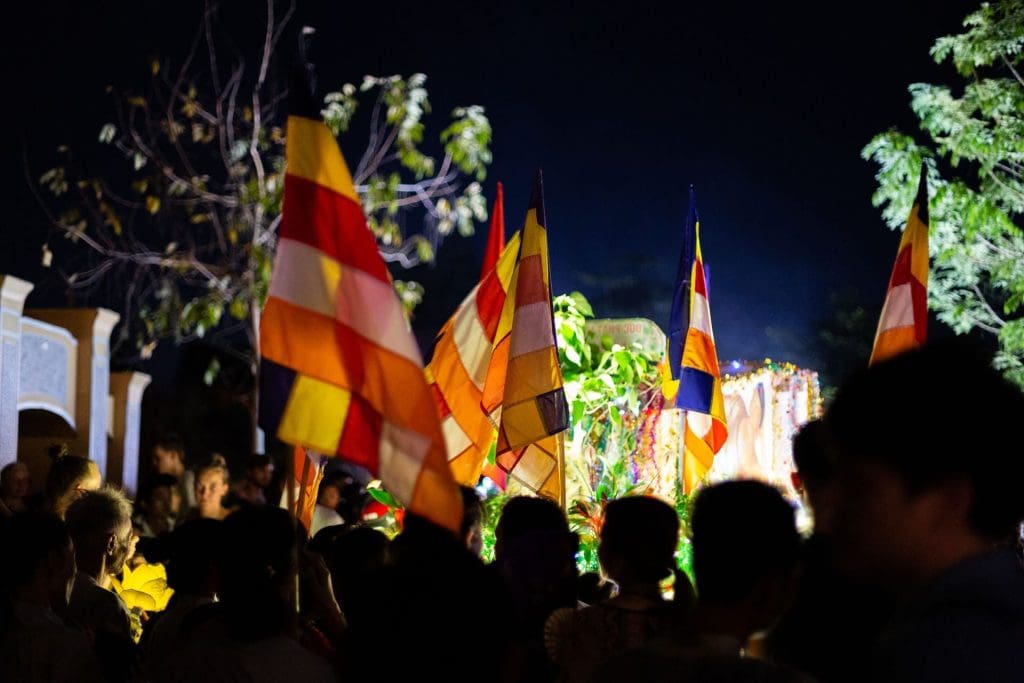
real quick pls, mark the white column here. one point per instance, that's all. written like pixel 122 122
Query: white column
pixel 99 390
pixel 13 292
pixel 126 390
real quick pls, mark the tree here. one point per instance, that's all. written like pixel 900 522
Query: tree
pixel 845 337
pixel 974 153
pixel 180 229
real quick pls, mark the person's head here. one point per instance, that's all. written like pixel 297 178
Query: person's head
pixel 40 559
pixel 70 476
pixel 926 472
pixel 158 495
pixel 169 455
pixel 745 551
pixel 192 557
pixel 258 558
pixel 638 540
pixel 329 494
pixel 260 470
pixel 211 486
pixel 14 481
pixel 100 524
pixel 352 554
pixel 812 459
pixel 526 516
pixel 472 520
pixel 535 552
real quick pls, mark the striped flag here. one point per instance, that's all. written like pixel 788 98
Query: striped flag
pixel 308 472
pixel 700 384
pixel 903 324
pixel 679 317
pixel 340 371
pixel 523 387
pixel 496 236
pixel 458 369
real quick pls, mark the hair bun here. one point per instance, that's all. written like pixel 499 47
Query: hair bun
pixel 57 451
pixel 217 460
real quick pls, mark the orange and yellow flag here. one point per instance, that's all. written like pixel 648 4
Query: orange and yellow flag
pixel 903 324
pixel 340 371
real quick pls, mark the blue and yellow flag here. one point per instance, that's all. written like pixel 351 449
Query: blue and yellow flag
pixel 692 379
pixel 679 316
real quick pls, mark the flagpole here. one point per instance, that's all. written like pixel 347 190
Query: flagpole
pixel 681 452
pixel 561 473
pixel 290 489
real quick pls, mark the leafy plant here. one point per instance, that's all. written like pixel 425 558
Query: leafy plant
pixel 608 388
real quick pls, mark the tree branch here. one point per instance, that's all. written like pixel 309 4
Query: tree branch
pixel 988 308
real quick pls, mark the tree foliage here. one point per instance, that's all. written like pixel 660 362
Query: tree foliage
pixel 974 152
pixel 179 228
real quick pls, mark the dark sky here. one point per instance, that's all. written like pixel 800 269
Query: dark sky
pixel 763 106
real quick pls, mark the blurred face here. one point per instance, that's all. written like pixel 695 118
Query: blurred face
pixel 210 490
pixel 330 496
pixel 160 501
pixel 880 529
pixel 167 462
pixel 16 484
pixel 262 475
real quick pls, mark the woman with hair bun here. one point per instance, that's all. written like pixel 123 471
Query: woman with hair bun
pixel 70 476
pixel 211 487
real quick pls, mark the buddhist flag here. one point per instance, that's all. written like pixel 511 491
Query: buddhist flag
pixel 308 472
pixel 496 236
pixel 523 388
pixel 700 384
pixel 462 357
pixel 679 317
pixel 903 324
pixel 340 372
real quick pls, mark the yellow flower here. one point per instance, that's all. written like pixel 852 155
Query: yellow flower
pixel 145 587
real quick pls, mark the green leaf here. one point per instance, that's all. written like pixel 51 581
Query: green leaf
pixel 582 305
pixel 107 133
pixel 383 497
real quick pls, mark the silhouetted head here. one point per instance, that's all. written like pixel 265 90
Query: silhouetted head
pixel 14 480
pixel 524 516
pixel 158 495
pixel 258 559
pixel 260 469
pixel 192 557
pixel 745 550
pixel 815 469
pixel 927 469
pixel 69 477
pixel 169 455
pixel 100 524
pixel 638 540
pixel 38 552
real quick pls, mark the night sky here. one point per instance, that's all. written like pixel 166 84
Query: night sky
pixel 764 109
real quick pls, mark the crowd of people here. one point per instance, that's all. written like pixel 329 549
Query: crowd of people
pixel 912 571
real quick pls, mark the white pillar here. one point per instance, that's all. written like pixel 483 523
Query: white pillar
pixel 102 326
pixel 92 328
pixel 13 292
pixel 127 389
